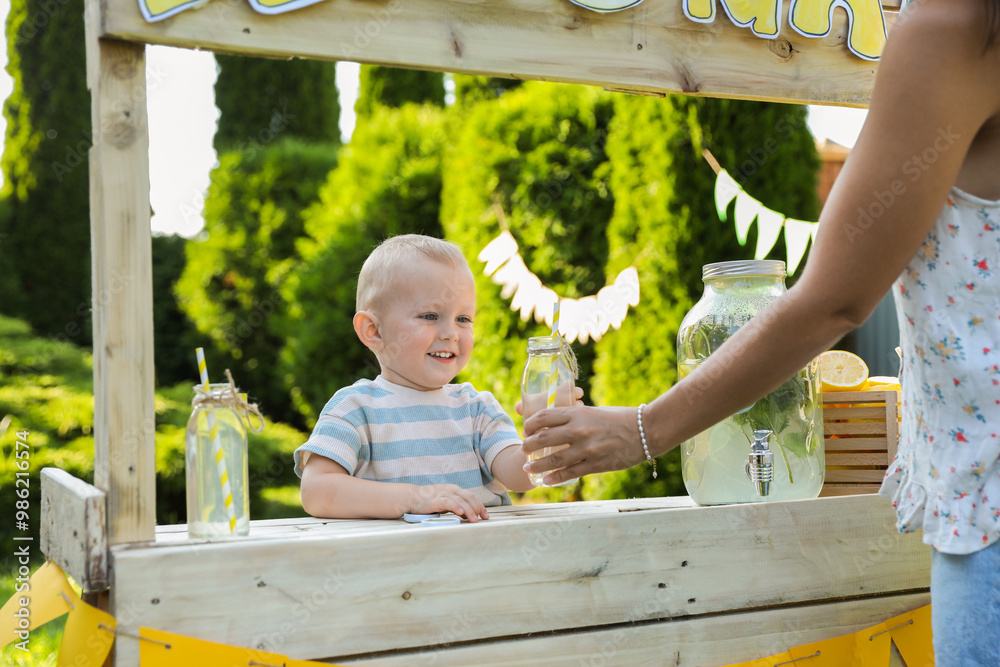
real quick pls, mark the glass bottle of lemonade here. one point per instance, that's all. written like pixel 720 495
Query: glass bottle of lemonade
pixel 546 369
pixel 713 463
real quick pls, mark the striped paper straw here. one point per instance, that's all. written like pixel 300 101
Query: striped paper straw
pixel 213 433
pixel 554 376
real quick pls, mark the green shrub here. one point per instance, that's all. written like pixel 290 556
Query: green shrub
pixel 231 284
pixel 176 336
pixel 46 392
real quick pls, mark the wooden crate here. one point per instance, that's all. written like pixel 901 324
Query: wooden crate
pixel 861 432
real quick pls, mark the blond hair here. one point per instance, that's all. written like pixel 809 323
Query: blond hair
pixel 380 269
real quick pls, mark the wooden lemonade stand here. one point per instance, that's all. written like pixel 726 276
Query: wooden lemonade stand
pixel 627 582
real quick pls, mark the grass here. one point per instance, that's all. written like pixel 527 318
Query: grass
pixel 46 394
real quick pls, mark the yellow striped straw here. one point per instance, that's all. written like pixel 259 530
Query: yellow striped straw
pixel 554 376
pixel 213 433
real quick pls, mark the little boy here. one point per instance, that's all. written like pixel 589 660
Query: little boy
pixel 408 441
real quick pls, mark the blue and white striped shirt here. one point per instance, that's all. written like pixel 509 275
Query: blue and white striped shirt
pixel 384 432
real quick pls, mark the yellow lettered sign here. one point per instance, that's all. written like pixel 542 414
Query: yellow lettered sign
pixel 810 18
pixel 763 17
pixel 814 18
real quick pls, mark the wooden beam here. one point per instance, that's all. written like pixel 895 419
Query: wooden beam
pixel 124 416
pixel 651 48
pixel 716 640
pixel 322 594
pixel 73 532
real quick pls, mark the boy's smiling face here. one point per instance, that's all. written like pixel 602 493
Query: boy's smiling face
pixel 425 324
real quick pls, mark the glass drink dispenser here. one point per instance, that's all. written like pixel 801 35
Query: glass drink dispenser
pixel 773 449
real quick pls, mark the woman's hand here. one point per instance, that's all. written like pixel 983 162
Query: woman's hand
pixel 599 439
pixel 577 394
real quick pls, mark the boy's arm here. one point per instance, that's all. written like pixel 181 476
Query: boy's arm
pixel 329 491
pixel 508 468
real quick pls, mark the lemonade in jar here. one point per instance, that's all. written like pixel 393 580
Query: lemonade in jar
pixel 714 462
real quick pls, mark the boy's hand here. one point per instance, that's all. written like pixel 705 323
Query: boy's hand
pixel 447 498
pixel 577 392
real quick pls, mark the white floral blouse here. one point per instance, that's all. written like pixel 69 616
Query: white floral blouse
pixel 945 478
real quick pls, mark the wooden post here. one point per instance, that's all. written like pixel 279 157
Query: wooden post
pixel 124 425
pixel 74 529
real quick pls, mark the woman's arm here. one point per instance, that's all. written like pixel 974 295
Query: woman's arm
pixel 934 92
pixel 329 491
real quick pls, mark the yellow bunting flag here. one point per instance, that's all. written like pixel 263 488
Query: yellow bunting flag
pixel 38 599
pixel 861 649
pixel 766 662
pixel 911 633
pixel 88 636
pixel 165 649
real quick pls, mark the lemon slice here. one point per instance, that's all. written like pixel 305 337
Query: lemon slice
pixel 840 370
pixel 882 383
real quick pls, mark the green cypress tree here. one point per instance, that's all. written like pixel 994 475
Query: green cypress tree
pixel 665 223
pixel 394 87
pixel 472 88
pixel 44 162
pixel 176 336
pixel 260 100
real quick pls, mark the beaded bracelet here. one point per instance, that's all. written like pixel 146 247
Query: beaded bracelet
pixel 642 436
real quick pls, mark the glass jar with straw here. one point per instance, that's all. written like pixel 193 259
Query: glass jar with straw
pixel 216 459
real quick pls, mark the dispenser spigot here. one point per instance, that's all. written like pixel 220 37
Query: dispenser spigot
pixel 760 464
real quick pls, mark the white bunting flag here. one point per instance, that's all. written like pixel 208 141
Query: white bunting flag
pixel 797 235
pixel 746 212
pixel 586 318
pixel 768 230
pixel 725 189
pixel 498 251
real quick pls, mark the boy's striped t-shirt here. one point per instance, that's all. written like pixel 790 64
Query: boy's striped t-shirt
pixel 384 432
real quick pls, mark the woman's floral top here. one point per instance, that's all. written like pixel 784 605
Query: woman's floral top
pixel 945 478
